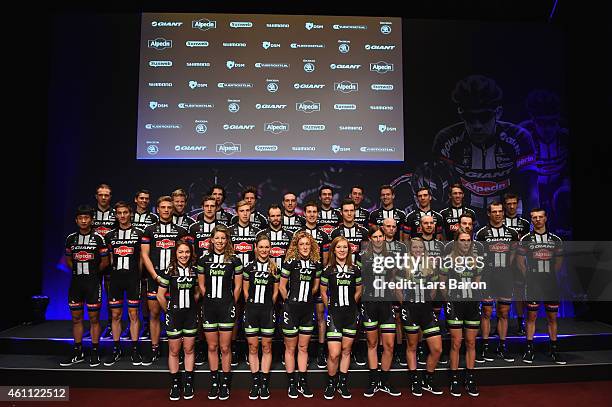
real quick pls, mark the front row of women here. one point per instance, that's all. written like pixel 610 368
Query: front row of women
pixel 219 278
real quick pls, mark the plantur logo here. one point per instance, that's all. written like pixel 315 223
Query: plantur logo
pixel 346 86
pixel 313 127
pixel 166 23
pixel 381 67
pixel 308 106
pixel 276 127
pixel 266 148
pixel 160 64
pixel 203 24
pixel 383 128
pixel 160 44
pixel 228 148
pixel 196 44
pixel 240 24
pixel 156 105
pixel 123 251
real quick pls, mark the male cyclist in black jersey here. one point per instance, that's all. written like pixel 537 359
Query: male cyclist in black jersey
pixel 180 217
pixel 454 211
pixel 362 216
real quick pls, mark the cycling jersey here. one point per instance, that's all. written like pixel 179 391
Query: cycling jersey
pixel 219 273
pixel 413 222
pixel 142 220
pixel 321 238
pixel 86 252
pixel 328 219
pixel 293 223
pixel 341 283
pixel 256 219
pixel 161 237
pixel 518 224
pixel 279 243
pixel 450 219
pixel 104 221
pixel 261 283
pixel 183 220
pixel 362 216
pixel 181 284
pixel 124 245
pixel 201 232
pixel 355 235
pixel 302 275
pixel 243 239
pixel 379 215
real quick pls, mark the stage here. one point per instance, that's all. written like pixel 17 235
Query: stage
pixel 31 354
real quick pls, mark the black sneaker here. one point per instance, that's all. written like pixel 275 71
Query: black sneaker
pixel 199 358
pixel 330 388
pixel 343 386
pixel 254 392
pixel 175 391
pixel 149 359
pixel 529 355
pixel 224 390
pixel 113 357
pixel 213 393
pixel 430 386
pixel 455 387
pixel 400 359
pixel 557 358
pixel 486 355
pixel 292 390
pixel 303 387
pixel 145 333
pixel 94 358
pixel 470 386
pixel 76 356
pixel 358 358
pixel 389 389
pixel 188 387
pixel 108 332
pixel 421 356
pixel 136 358
pixel 502 353
pixel 443 359
pixel 264 389
pixel 371 389
pixel 321 362
pixel 415 387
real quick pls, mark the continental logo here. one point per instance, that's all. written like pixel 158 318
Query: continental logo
pixel 277 65
pixel 296 45
pixel 349 27
pixel 377 149
pixel 184 105
pixel 229 85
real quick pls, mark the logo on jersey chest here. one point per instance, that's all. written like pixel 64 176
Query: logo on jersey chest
pixel 123 251
pixel 499 247
pixel 485 187
pixel 542 254
pixel 83 256
pixel 277 251
pixel 327 228
pixel 204 244
pixel 165 243
pixel 243 247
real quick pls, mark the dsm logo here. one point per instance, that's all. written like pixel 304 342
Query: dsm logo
pixel 160 44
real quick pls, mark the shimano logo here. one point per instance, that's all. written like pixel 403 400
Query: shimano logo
pixel 268 44
pixel 277 25
pixel 303 148
pixel 350 128
pixel 190 148
pixel 379 107
pixel 296 45
pixel 233 64
pixel 160 44
pixel 381 67
pixel 241 24
pixel 308 85
pixel 339 149
pixel 266 148
pixel 276 127
pixel 238 126
pixel 313 127
pixel 381 86
pixel 374 47
pixel 156 105
pixel 312 26
pixel 259 106
pixel 272 65
pixel 383 128
pixel 346 86
pixel 345 106
pixel 196 44
pixel 345 66
pixel 228 148
pixel 161 84
pixel 152 126
pixel 196 84
pixel 308 106
pixel 195 105
pixel 160 64
pixel 377 149
pixel 198 64
pixel 235 44
pixel 166 23
pixel 226 85
pixel 203 24
pixel 349 27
